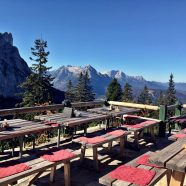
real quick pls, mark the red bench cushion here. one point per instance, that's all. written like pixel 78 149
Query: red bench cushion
pixel 116 133
pixel 133 175
pixel 179 135
pixel 93 140
pixel 58 155
pixel 53 124
pixel 11 168
pixel 144 160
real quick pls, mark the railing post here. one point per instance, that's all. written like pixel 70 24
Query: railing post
pixel 178 108
pixel 162 117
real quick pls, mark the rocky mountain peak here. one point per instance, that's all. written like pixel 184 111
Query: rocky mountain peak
pixel 6 38
pixel 13 69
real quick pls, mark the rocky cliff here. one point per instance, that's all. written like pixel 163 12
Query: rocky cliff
pixel 13 69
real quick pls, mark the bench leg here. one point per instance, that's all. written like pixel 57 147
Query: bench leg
pixel 110 146
pixel 52 174
pixel 85 130
pixel 136 140
pixel 21 146
pixel 58 136
pixel 83 149
pixel 36 176
pixel 122 146
pixel 95 157
pixel 177 178
pixel 169 172
pixel 67 173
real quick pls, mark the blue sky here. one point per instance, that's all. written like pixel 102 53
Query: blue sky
pixel 139 37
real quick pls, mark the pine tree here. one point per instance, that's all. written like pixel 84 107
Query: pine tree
pixel 161 99
pixel 37 89
pixel 69 95
pixel 171 92
pixel 83 89
pixel 114 91
pixel 145 97
pixel 89 94
pixel 127 93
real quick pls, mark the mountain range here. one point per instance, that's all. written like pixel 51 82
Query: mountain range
pixel 100 81
pixel 14 70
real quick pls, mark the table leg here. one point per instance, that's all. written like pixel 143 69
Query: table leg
pixel 122 146
pixel 21 146
pixel 58 136
pixel 107 124
pixel 136 140
pixel 177 178
pixel 152 135
pixel 13 147
pixel 85 130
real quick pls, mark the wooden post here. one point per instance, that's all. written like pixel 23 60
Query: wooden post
pixel 162 117
pixel 178 108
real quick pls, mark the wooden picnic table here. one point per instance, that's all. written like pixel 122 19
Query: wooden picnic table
pixel 173 157
pixel 64 121
pixel 19 128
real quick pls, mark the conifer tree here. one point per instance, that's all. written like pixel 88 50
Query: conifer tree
pixel 83 89
pixel 127 93
pixel 89 94
pixel 70 91
pixel 161 99
pixel 171 92
pixel 37 89
pixel 114 91
pixel 145 97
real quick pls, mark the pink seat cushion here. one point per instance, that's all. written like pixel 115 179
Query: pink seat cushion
pixel 93 140
pixel 144 160
pixel 116 133
pixel 53 124
pixel 58 155
pixel 11 168
pixel 179 135
pixel 133 175
pixel 149 122
pixel 141 125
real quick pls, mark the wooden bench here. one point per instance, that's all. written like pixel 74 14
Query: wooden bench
pixel 138 132
pixel 178 135
pixel 108 139
pixel 178 122
pixel 38 167
pixel 160 173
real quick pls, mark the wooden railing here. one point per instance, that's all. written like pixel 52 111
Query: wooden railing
pixel 24 110
pixel 134 105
